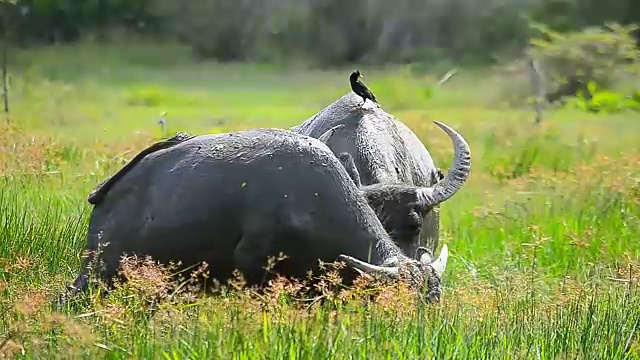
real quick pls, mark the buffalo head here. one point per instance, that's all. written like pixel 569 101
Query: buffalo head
pixel 402 207
pixel 423 275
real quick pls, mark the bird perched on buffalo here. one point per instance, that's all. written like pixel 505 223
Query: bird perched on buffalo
pixel 360 88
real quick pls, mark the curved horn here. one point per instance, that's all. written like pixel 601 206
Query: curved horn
pixel 329 133
pixel 457 174
pixel 440 264
pixel 391 272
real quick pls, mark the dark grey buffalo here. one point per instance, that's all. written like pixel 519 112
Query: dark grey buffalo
pixel 393 167
pixel 233 200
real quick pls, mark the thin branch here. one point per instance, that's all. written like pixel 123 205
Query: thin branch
pixel 447 76
pixel 5 53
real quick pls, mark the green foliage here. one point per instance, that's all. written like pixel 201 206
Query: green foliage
pixel 605 101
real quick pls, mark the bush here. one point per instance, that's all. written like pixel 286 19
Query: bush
pixel 572 60
pixel 587 66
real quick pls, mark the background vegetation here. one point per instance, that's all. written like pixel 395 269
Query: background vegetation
pixel 322 32
pixel 545 261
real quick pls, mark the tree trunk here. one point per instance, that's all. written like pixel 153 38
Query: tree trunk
pixel 5 51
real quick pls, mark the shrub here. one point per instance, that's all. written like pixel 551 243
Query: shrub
pixel 572 60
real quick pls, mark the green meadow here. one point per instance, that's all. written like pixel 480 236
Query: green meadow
pixel 544 238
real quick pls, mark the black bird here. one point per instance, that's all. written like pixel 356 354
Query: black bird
pixel 360 88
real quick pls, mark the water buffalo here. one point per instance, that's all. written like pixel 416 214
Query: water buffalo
pixel 235 199
pixel 396 205
pixel 388 155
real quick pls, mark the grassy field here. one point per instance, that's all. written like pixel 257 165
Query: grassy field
pixel 544 238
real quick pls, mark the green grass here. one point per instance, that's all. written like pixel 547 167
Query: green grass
pixel 543 238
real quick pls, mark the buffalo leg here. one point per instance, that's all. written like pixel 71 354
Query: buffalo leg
pixel 107 265
pixel 250 257
pixel 81 283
